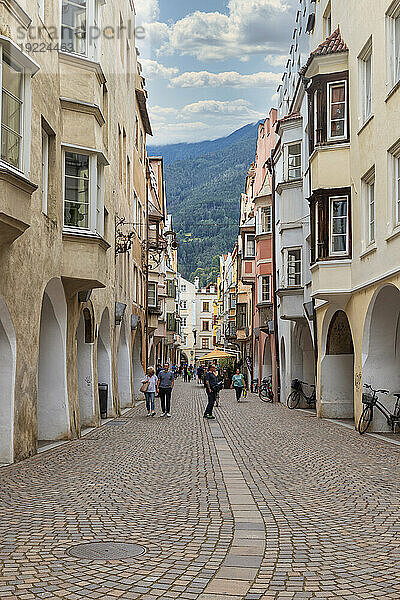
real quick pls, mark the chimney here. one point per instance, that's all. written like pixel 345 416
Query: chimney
pixel 197 283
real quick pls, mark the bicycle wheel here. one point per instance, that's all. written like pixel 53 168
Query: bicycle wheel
pixel 365 419
pixel 293 399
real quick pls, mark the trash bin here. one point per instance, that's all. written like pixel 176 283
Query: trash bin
pixel 103 397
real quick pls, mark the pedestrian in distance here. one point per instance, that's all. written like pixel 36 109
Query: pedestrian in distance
pixel 150 383
pixel 185 373
pixel 211 385
pixel 200 373
pixel 238 384
pixel 165 385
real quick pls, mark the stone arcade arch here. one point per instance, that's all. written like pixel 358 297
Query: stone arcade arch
pixel 85 339
pixel 8 353
pixel 124 371
pixel 381 347
pixel 337 368
pixel 104 359
pixel 53 420
pixel 137 366
pixel 267 359
pixel 302 354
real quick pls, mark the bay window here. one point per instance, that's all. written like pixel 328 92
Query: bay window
pixel 264 289
pixel 152 294
pixel 250 245
pixel 331 224
pixel 80 27
pixel 294 161
pixel 337 110
pixel 265 220
pixel 328 109
pixel 293 267
pixel 12 110
pixel 338 230
pixel 83 191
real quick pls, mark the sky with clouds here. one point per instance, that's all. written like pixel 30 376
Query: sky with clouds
pixel 211 66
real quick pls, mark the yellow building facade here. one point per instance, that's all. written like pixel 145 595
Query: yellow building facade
pixel 352 79
pixel 72 219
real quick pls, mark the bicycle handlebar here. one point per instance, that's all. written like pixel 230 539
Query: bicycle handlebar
pixel 369 387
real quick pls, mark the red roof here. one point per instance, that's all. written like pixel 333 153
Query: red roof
pixel 291 116
pixel 333 44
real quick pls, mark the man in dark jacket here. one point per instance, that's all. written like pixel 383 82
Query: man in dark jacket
pixel 165 385
pixel 211 385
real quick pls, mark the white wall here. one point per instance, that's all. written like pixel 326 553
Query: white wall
pixel 124 371
pixel 53 422
pixel 337 386
pixel 7 384
pixel 85 377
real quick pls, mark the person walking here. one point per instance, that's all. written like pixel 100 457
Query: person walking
pixel 211 385
pixel 151 381
pixel 165 385
pixel 200 373
pixel 238 383
pixel 185 373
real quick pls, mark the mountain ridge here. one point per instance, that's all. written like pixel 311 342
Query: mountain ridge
pixel 203 196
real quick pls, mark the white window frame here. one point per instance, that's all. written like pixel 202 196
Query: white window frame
pixel 40 6
pixel 29 68
pixel 393 54
pixel 397 190
pixel 287 166
pixel 330 85
pixel 205 343
pixel 45 170
pixel 332 199
pixel 203 322
pixel 261 221
pixel 96 192
pixel 92 46
pixel 366 81
pixel 247 235
pixel 153 285
pixel 260 289
pixel 300 261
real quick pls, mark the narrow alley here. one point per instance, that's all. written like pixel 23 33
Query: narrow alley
pixel 262 503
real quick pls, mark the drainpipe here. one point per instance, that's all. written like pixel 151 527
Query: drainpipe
pixel 146 306
pixel 271 169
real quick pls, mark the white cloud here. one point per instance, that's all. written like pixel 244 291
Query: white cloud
pixel 147 11
pixel 239 108
pixel 153 69
pixel 250 27
pixel 225 79
pixel 276 60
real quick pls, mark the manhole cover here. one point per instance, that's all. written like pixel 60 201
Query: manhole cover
pixel 106 551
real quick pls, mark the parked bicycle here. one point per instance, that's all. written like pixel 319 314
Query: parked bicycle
pixel 370 400
pixel 265 392
pixel 299 394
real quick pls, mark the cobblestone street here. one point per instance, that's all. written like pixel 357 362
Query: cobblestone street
pixel 261 503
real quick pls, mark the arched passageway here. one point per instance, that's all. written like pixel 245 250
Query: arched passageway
pixel 302 354
pixel 381 348
pixel 84 339
pixel 104 361
pixel 267 359
pixel 124 371
pixel 337 370
pixel 53 421
pixel 138 372
pixel 7 384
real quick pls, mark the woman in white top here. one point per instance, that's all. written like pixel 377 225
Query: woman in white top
pixel 151 391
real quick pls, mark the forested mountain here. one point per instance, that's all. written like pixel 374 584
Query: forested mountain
pixel 204 182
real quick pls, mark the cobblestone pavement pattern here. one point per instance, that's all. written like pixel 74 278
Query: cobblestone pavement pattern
pixel 263 503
